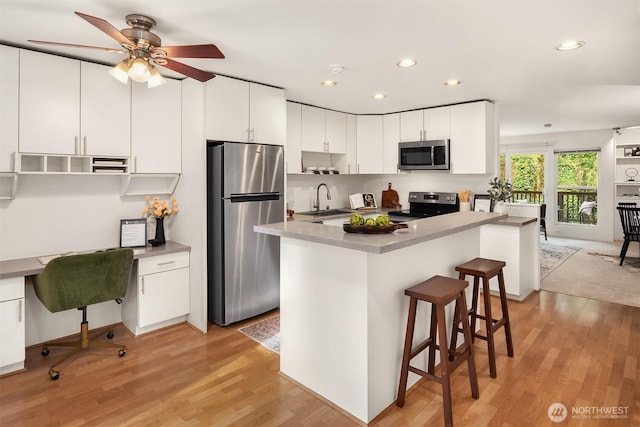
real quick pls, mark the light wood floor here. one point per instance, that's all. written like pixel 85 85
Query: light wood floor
pixel 571 350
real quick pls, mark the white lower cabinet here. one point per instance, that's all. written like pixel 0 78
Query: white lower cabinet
pixel 12 331
pixel 158 294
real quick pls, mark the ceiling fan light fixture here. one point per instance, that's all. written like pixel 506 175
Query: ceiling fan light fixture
pixel 139 71
pixel 156 79
pixel 121 72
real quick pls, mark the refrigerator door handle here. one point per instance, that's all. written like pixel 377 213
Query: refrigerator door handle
pixel 253 197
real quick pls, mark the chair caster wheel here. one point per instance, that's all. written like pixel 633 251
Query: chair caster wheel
pixel 45 350
pixel 110 334
pixel 122 352
pixel 54 375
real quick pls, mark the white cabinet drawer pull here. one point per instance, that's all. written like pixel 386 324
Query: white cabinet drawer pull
pixel 142 285
pixel 20 311
pixel 161 264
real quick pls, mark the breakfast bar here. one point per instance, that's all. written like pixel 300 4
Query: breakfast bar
pixel 342 304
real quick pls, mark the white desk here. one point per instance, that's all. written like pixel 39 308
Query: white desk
pixel 158 296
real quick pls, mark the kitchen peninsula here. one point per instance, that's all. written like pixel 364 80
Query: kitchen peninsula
pixel 342 305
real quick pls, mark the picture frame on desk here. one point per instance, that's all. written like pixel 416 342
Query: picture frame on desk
pixel 133 233
pixel 482 203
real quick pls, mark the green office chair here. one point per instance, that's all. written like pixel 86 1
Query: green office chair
pixel 76 281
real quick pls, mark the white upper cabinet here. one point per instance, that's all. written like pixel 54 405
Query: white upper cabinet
pixel 105 111
pixel 411 126
pixel 156 128
pixel 245 112
pixel 9 77
pixel 323 131
pixel 424 125
pixel 49 104
pixel 351 158
pixel 473 138
pixel 294 133
pixel 313 129
pixel 391 136
pixel 336 132
pixel 227 110
pixel 78 107
pixel 267 115
pixel 369 151
pixel 437 123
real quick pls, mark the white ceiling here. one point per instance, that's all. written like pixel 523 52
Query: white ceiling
pixel 502 50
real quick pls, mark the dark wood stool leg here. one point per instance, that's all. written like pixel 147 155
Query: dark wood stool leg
pixel 457 318
pixel 471 364
pixel 406 353
pixel 444 367
pixel 505 313
pixel 486 294
pixel 431 367
pixel 474 307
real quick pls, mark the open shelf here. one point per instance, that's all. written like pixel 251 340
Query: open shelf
pixel 139 184
pixel 68 164
pixel 8 185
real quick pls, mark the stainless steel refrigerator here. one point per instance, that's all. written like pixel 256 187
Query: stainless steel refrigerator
pixel 245 187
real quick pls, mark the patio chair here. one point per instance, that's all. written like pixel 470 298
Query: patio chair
pixel 586 211
pixel 630 221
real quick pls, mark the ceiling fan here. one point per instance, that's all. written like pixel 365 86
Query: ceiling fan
pixel 145 49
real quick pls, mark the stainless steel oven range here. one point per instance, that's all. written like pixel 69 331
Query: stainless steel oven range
pixel 427 204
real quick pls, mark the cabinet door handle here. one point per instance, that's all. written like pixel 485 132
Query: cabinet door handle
pixel 135 163
pixel 253 134
pixel 84 143
pixel 75 143
pixel 349 168
pixel 142 285
pixel 247 131
pixel 20 311
pixel 13 161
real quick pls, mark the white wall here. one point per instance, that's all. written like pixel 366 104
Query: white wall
pixel 61 213
pixel 546 143
pixel 191 192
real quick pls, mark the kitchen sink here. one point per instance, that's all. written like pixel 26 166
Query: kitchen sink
pixel 326 212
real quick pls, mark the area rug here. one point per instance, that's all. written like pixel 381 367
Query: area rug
pixel 266 332
pixel 630 263
pixel 552 256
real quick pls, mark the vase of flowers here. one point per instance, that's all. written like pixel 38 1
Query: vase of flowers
pixel 159 209
pixel 500 192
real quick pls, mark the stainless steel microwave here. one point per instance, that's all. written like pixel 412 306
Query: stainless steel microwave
pixel 423 155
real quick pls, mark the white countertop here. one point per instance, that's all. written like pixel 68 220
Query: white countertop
pixel 31 266
pixel 419 231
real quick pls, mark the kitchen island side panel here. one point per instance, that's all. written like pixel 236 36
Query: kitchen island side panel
pixel 344 313
pixel 323 328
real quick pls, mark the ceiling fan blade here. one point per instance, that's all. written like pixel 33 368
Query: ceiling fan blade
pixel 193 51
pixel 185 69
pixel 108 49
pixel 107 28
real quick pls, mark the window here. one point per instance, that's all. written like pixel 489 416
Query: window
pixel 577 177
pixel 525 171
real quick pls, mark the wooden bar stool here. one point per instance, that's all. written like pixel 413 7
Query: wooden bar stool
pixel 439 291
pixel 486 269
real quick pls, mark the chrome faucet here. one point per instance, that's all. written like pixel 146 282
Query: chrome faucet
pixel 317 202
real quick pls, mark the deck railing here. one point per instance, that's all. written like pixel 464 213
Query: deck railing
pixel 568 205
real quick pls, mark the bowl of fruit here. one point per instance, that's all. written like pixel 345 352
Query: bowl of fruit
pixel 379 225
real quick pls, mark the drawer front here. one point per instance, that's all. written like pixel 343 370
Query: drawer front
pixel 160 263
pixel 11 288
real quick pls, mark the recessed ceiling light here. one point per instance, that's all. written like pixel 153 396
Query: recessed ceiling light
pixel 328 83
pixel 379 96
pixel 452 82
pixel 406 63
pixel 570 45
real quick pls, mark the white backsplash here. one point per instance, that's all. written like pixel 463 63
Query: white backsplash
pixel 301 188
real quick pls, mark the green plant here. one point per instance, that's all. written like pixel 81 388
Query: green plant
pixel 500 190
